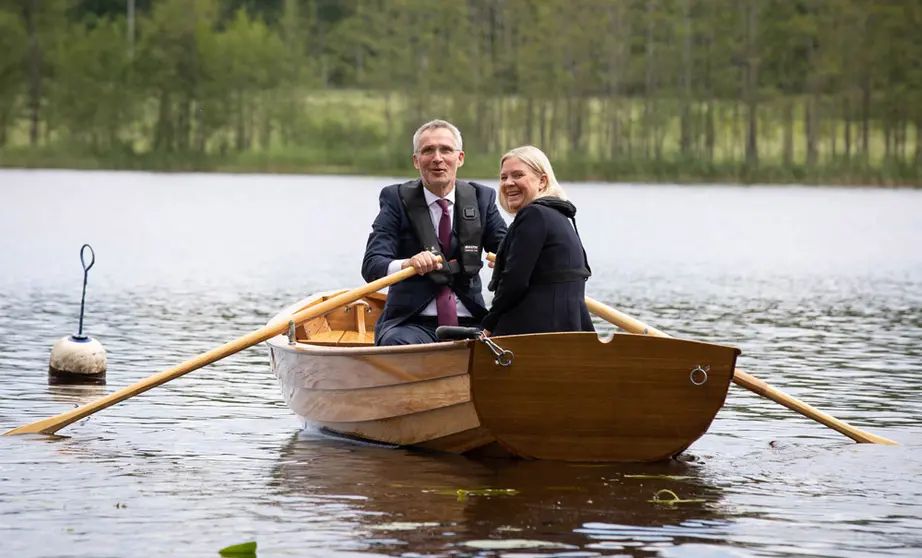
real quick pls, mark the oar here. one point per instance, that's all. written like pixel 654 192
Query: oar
pixel 741 378
pixel 55 423
pixel 748 381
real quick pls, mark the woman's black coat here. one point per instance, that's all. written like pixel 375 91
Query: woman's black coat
pixel 540 273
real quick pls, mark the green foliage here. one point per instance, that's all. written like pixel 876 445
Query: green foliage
pixel 674 90
pixel 92 94
pixel 13 40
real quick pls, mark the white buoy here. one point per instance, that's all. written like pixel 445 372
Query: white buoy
pixel 78 359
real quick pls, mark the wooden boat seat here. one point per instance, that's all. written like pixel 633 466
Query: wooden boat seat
pixel 339 338
pixel 354 338
pixel 343 327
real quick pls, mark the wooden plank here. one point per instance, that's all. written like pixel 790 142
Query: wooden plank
pixel 355 405
pixel 311 328
pixel 345 320
pixel 355 338
pixel 408 430
pixel 338 367
pixel 360 320
pixel 325 338
pixel 574 397
pixel 463 442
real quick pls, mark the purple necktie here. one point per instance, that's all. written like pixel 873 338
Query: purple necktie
pixel 445 300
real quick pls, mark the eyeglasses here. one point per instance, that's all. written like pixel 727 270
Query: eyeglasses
pixel 443 150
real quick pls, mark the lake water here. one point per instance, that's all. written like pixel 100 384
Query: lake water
pixel 820 288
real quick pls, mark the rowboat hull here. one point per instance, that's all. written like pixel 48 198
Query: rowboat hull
pixel 564 396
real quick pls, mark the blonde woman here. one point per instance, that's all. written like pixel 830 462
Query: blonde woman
pixel 541 267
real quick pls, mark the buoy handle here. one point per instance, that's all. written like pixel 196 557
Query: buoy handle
pixel 86 269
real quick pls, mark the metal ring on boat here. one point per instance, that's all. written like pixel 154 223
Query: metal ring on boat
pixel 503 357
pixel 703 375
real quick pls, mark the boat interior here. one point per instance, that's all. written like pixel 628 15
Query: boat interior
pixel 347 326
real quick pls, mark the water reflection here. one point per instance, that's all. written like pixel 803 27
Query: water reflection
pixel 432 502
pixel 76 395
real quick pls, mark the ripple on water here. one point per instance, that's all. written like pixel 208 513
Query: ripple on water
pixel 825 311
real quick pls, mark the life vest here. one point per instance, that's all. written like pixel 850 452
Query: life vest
pixel 467 223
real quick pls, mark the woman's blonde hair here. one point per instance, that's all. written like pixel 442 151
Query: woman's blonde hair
pixel 537 161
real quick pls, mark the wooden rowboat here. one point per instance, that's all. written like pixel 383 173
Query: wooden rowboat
pixel 563 396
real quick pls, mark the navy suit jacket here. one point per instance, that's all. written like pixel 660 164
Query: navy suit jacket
pixel 393 238
pixel 541 241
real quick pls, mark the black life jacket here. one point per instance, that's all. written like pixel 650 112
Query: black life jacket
pixel 466 222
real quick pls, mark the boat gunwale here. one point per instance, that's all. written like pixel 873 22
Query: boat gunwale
pixel 280 342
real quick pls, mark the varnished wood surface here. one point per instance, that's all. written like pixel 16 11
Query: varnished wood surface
pixel 573 397
pixel 566 397
pixel 315 367
pixel 746 380
pixel 345 318
pixel 415 429
pixel 408 395
pixel 356 405
pixel 324 338
pixel 465 441
pixel 350 325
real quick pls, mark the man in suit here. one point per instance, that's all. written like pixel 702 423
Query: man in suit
pixel 434 215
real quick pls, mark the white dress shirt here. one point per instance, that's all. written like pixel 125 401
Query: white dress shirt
pixel 435 212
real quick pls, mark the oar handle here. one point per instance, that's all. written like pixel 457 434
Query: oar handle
pixel 55 423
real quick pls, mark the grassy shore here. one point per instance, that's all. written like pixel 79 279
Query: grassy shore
pixel 484 165
pixel 345 132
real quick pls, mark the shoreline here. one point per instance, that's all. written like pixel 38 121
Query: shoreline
pixel 636 172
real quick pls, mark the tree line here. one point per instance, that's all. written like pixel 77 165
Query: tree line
pixel 725 90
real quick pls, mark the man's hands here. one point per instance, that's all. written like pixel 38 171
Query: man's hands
pixel 424 262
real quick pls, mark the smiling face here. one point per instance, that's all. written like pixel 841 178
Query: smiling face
pixel 519 184
pixel 438 159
